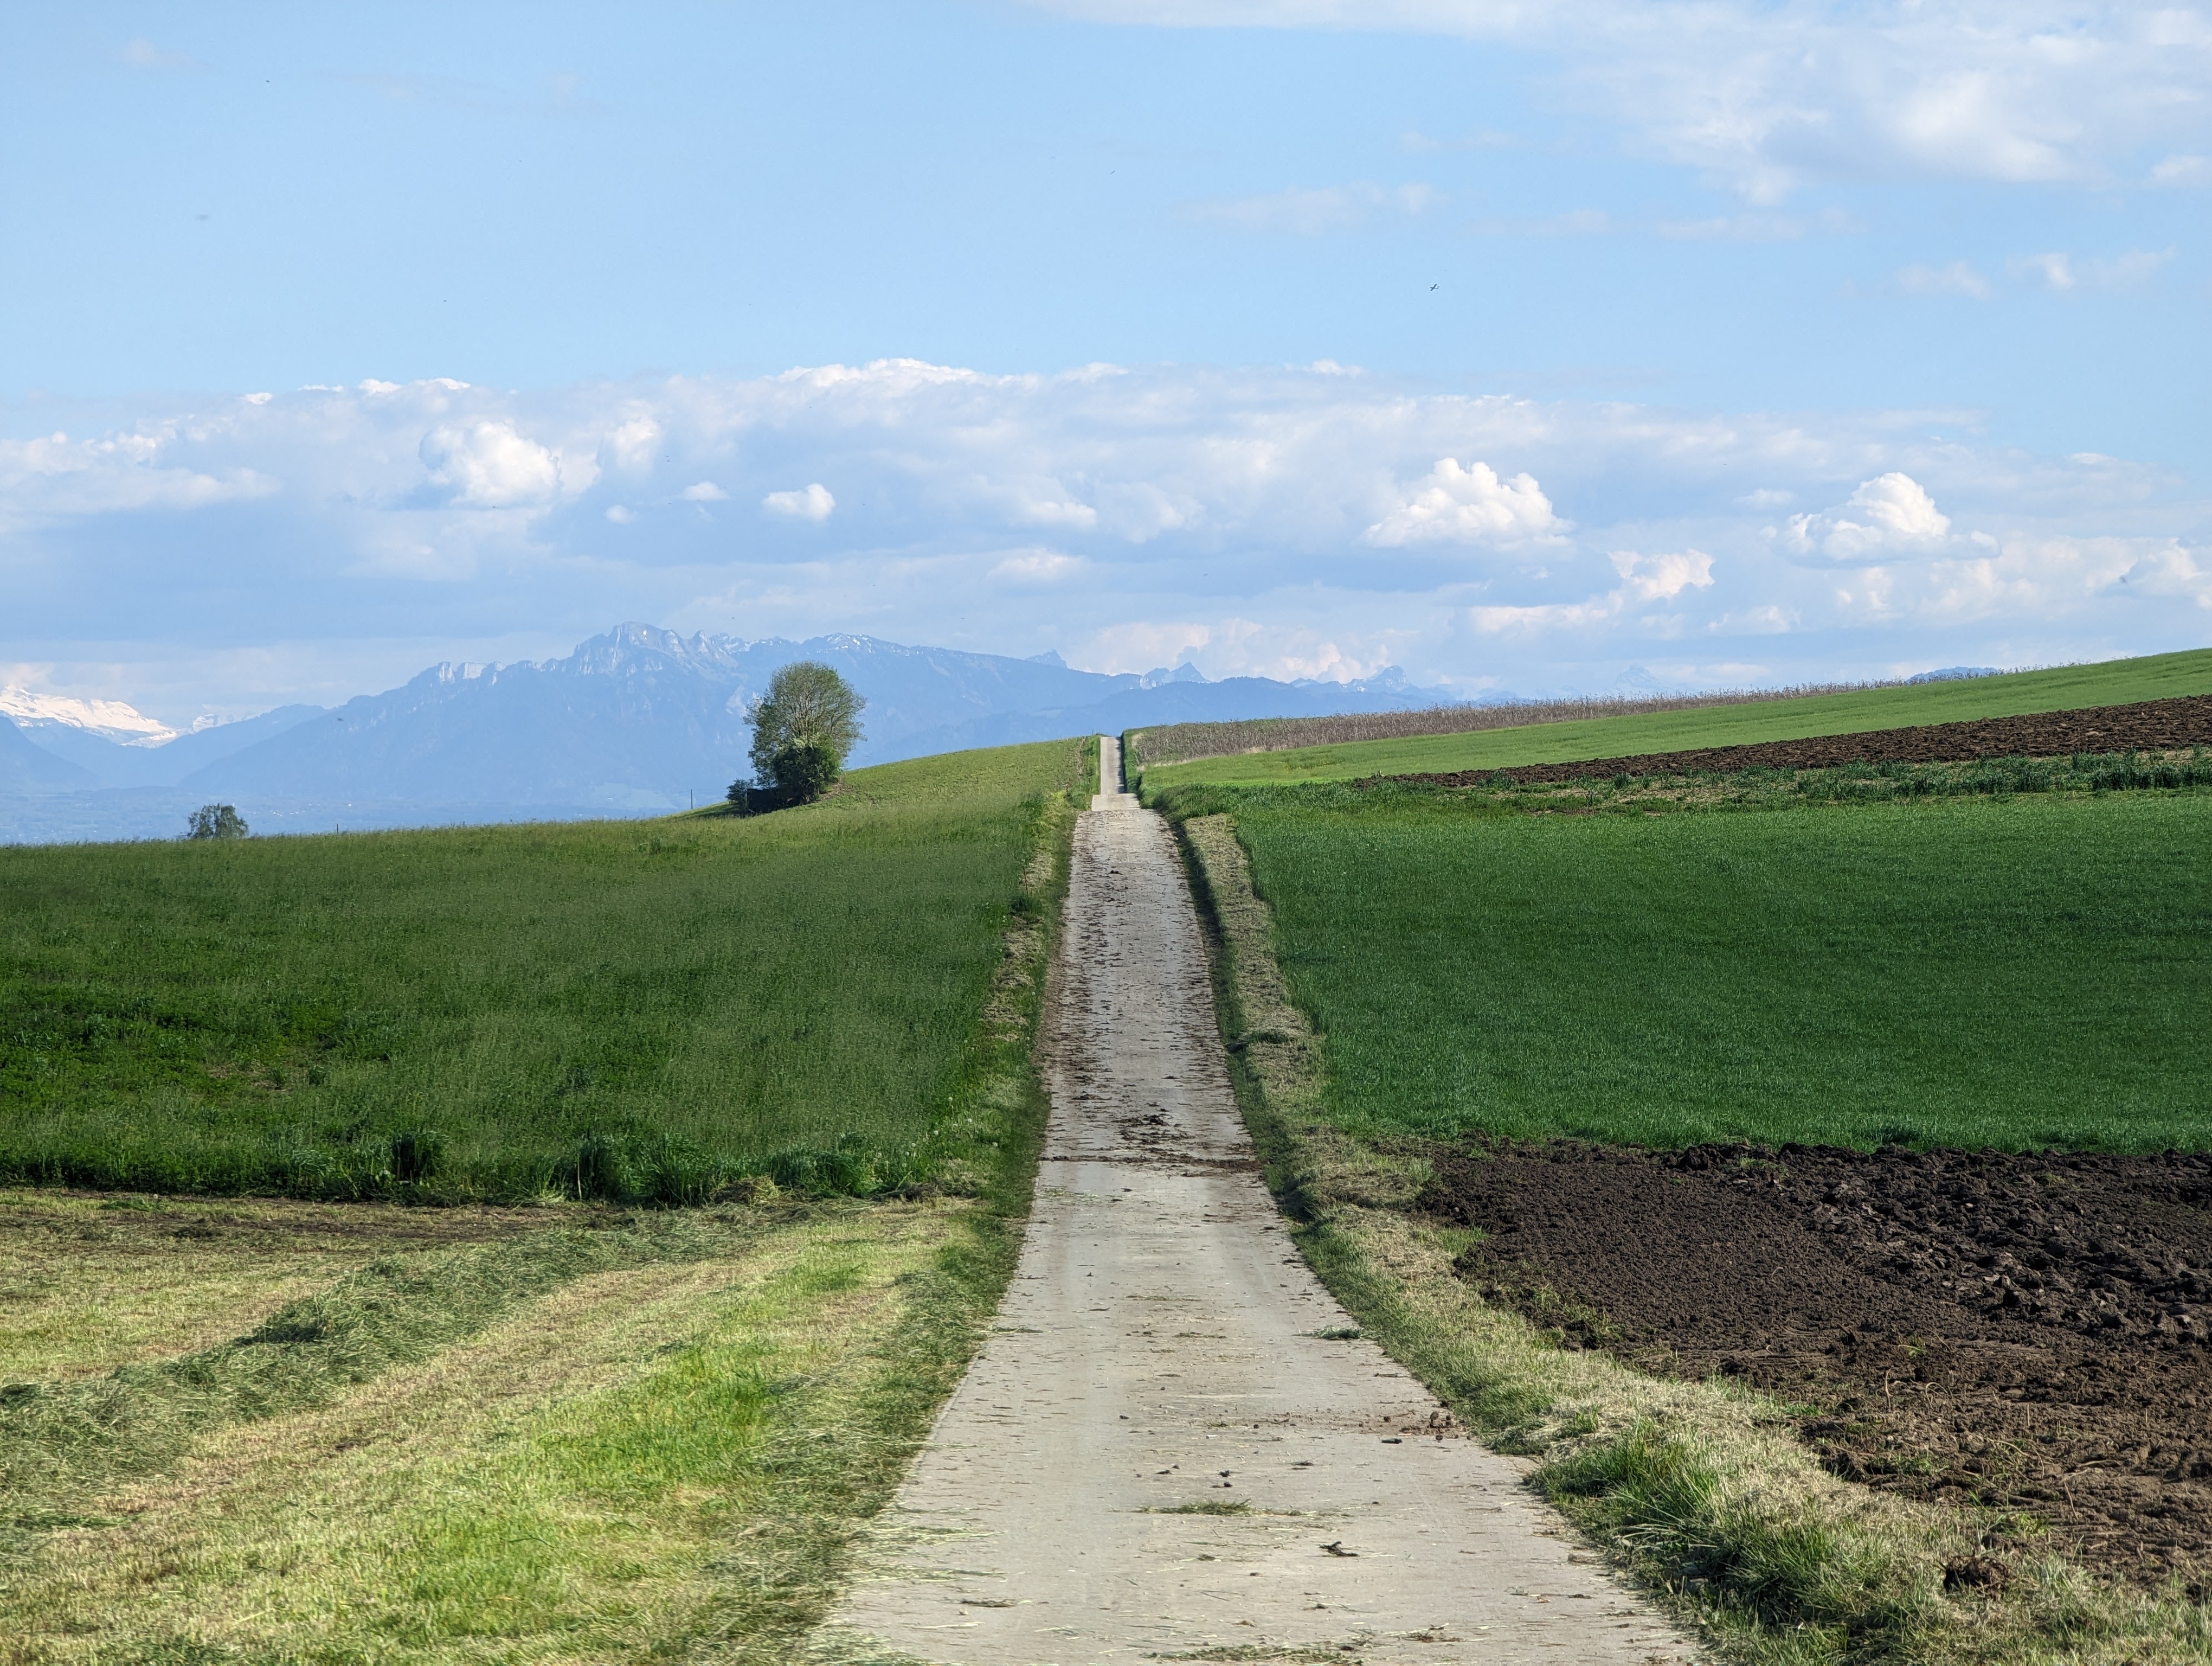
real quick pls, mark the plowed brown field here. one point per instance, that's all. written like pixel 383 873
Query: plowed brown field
pixel 2026 1332
pixel 2148 726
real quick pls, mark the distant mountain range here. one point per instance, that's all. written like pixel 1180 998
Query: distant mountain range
pixel 639 721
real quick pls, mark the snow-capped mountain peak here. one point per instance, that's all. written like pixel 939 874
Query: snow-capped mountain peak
pixel 111 719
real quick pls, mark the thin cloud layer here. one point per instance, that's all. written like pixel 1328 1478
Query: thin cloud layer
pixel 1766 98
pixel 1292 522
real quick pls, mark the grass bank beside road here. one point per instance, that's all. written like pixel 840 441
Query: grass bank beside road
pixel 622 1010
pixel 2113 683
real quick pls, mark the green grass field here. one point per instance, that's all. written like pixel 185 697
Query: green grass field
pixel 268 1429
pixel 2016 971
pixel 618 1009
pixel 2114 682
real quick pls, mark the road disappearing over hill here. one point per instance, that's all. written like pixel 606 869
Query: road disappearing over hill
pixel 1174 1445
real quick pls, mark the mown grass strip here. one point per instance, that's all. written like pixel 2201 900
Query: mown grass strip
pixel 64 1437
pixel 94 1282
pixel 648 1462
pixel 1691 1486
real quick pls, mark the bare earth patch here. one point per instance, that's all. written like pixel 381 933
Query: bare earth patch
pixel 2152 725
pixel 2025 1334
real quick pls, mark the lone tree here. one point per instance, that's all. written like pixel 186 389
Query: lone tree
pixel 217 821
pixel 803 727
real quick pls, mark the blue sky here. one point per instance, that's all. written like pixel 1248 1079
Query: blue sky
pixel 1829 340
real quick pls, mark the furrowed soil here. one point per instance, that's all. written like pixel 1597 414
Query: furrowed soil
pixel 2020 1333
pixel 2147 725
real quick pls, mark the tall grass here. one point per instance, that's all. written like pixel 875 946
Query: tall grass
pixel 2014 971
pixel 617 1010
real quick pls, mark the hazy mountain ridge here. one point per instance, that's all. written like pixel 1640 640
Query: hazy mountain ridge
pixel 638 721
pixel 113 763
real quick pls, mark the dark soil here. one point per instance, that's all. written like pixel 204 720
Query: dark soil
pixel 2148 726
pixel 2024 1332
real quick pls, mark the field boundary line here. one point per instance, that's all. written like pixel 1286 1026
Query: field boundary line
pixel 1690 1487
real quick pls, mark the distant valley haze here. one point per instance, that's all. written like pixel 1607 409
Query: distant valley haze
pixel 637 721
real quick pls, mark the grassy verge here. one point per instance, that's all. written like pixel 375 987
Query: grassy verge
pixel 571 1433
pixel 620 1011
pixel 2019 970
pixel 1693 1488
pixel 2113 683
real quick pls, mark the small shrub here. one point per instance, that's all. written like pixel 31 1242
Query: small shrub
pixel 852 1168
pixel 677 1173
pixel 217 821
pixel 803 774
pixel 415 1154
pixel 596 1170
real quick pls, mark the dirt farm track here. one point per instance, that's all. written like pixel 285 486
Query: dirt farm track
pixel 2027 1333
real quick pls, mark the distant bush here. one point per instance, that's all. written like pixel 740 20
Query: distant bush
pixel 796 774
pixel 217 821
pixel 804 774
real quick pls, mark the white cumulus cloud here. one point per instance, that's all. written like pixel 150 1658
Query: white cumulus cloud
pixel 1891 514
pixel 634 442
pixel 706 491
pixel 491 465
pixel 811 502
pixel 1662 578
pixel 1455 505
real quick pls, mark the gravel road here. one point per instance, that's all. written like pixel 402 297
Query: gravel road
pixel 1162 1452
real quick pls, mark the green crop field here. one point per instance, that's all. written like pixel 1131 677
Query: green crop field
pixel 2016 971
pixel 619 1009
pixel 2114 682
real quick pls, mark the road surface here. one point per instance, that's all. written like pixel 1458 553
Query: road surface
pixel 1161 1452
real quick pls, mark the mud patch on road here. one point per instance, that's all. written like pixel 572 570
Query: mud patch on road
pixel 2027 1333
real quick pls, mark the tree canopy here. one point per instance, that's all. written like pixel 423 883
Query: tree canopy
pixel 803 728
pixel 217 821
